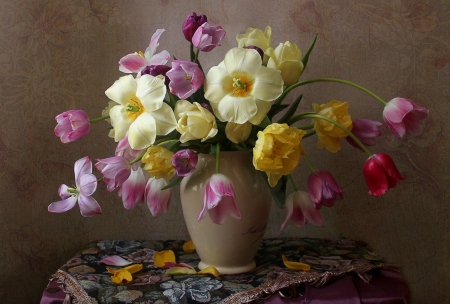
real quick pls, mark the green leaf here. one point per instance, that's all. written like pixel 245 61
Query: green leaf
pixel 265 122
pixel 176 180
pixel 308 52
pixel 275 109
pixel 279 191
pixel 291 111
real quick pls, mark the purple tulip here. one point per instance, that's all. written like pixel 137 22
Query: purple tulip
pixel 366 131
pixel 156 70
pixel 185 78
pixel 207 37
pixel 184 162
pixel 323 189
pixel 191 24
pixel 115 170
pixel 404 116
pixel 72 125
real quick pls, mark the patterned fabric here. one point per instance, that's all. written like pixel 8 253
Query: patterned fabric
pixel 328 259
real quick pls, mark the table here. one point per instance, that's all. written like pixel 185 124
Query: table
pixel 342 271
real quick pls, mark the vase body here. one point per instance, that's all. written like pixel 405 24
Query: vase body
pixel 232 246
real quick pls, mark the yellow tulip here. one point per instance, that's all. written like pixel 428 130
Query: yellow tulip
pixel 286 58
pixel 238 133
pixel 329 135
pixel 158 162
pixel 277 151
pixel 256 37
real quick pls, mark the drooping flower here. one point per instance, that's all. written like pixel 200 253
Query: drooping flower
pixel 124 275
pixel 381 174
pixel 133 189
pixel 300 210
pixel 323 189
pixel 194 121
pixel 86 184
pixel 207 37
pixel 185 78
pixel 157 199
pixel 329 135
pixel 258 38
pixel 184 162
pixel 286 58
pixel 72 125
pixel 404 116
pixel 219 199
pixel 238 133
pixel 158 162
pixel 277 151
pixel 115 170
pixel 136 62
pixel 124 150
pixel 140 111
pixel 240 89
pixel 366 131
pixel 191 24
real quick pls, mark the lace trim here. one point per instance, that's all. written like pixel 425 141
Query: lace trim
pixel 285 278
pixel 75 294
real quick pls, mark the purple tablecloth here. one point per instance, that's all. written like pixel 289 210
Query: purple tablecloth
pixel 340 271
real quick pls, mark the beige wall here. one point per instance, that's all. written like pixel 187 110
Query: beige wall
pixel 56 55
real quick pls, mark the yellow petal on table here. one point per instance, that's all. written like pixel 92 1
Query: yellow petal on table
pixel 179 271
pixel 161 257
pixel 189 247
pixel 210 270
pixel 295 265
pixel 123 275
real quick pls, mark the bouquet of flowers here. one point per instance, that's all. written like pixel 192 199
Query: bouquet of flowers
pixel 165 112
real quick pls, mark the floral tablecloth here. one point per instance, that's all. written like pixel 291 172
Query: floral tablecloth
pixel 333 262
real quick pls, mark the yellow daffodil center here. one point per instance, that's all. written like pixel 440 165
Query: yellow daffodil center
pixel 242 86
pixel 134 108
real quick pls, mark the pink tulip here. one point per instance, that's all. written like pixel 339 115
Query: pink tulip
pixel 86 184
pixel 323 189
pixel 301 210
pixel 115 170
pixel 191 24
pixel 136 62
pixel 184 162
pixel 366 131
pixel 381 174
pixel 72 125
pixel 157 200
pixel 207 37
pixel 133 189
pixel 219 199
pixel 404 116
pixel 124 149
pixel 185 78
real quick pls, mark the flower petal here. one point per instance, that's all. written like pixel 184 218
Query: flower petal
pixel 268 84
pixel 189 247
pixel 237 109
pixel 132 63
pixel 218 83
pixel 87 184
pixel 161 257
pixel 295 265
pixel 122 89
pixel 114 260
pixel 179 271
pixel 82 166
pixel 210 270
pixel 63 205
pixel 150 91
pixel 120 121
pixel 165 120
pixel 142 132
pixel 238 60
pixel 88 206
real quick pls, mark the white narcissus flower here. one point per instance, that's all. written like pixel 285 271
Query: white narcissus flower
pixel 141 110
pixel 241 89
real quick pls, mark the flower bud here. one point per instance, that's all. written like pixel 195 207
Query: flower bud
pixel 72 125
pixel 191 24
pixel 287 58
pixel 238 133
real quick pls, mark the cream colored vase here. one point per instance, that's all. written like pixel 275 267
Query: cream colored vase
pixel 230 247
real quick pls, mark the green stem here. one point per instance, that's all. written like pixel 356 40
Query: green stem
pixel 138 158
pixel 293 182
pixel 98 119
pixel 314 115
pixel 308 127
pixel 290 88
pixel 311 166
pixel 166 142
pixel 217 158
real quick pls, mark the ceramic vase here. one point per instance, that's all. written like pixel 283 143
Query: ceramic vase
pixel 232 246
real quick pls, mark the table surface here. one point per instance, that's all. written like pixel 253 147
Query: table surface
pixel 342 271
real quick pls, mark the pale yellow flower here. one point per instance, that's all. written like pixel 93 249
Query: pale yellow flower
pixel 194 121
pixel 277 151
pixel 256 37
pixel 329 135
pixel 238 133
pixel 287 58
pixel 240 89
pixel 158 162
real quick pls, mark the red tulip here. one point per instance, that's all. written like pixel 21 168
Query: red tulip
pixel 381 174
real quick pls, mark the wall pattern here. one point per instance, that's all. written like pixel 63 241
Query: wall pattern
pixel 59 55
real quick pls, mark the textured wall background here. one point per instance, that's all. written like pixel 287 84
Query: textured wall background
pixel 59 55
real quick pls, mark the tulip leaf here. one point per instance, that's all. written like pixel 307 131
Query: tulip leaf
pixel 175 181
pixel 291 111
pixel 306 56
pixel 279 191
pixel 275 109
